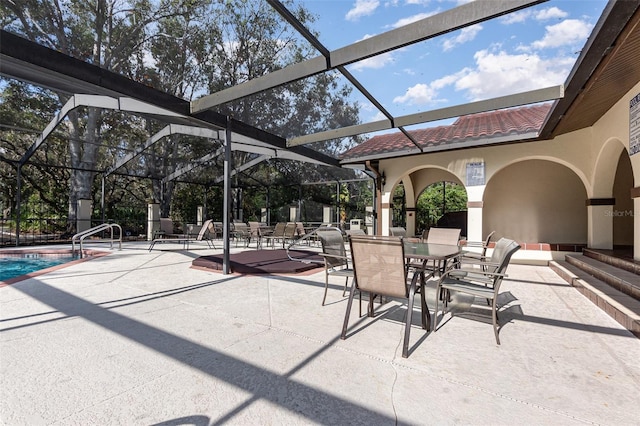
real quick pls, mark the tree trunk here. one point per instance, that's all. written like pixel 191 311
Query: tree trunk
pixel 83 152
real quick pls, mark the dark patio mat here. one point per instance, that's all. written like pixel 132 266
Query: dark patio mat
pixel 263 262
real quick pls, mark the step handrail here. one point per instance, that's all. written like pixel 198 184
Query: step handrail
pixel 80 236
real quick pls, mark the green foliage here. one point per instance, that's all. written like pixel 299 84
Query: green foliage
pixel 431 204
pixel 183 47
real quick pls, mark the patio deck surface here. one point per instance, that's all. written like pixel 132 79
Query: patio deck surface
pixel 139 338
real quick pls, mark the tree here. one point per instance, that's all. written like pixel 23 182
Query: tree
pixel 186 48
pixel 251 41
pixel 107 33
pixel 438 199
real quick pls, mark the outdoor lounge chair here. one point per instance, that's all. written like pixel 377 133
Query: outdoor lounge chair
pixel 167 229
pixel 255 234
pixel 206 234
pixel 380 268
pixel 276 235
pixel 396 231
pixel 473 257
pixel 218 230
pixel 290 234
pixel 336 261
pixel 484 282
pixel 241 232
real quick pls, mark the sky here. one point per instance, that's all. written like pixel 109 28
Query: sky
pixel 530 49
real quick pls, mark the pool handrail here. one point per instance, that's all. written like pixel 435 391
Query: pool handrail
pixel 80 236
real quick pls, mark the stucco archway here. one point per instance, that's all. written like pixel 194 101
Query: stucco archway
pixel 611 210
pixel 415 182
pixel 536 201
pixel 623 208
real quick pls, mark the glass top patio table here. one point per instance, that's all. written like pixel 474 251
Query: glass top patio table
pixel 427 251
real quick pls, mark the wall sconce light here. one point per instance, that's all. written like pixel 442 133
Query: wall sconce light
pixel 383 179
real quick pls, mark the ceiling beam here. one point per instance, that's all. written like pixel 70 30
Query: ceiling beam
pixel 291 19
pixel 509 101
pixel 25 60
pixel 424 29
pixel 244 167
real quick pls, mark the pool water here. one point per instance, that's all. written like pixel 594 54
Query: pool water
pixel 15 266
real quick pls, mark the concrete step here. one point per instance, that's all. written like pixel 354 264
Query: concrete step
pixel 620 279
pixel 620 258
pixel 620 306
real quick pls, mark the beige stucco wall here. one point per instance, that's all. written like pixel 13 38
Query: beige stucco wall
pixel 536 201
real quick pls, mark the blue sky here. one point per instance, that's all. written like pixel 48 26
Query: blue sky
pixel 526 50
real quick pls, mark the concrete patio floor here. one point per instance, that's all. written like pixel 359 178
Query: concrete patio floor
pixel 139 338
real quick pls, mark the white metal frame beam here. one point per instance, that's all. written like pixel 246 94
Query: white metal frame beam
pixel 244 167
pixel 424 29
pixel 524 98
pixel 97 101
pixel 239 142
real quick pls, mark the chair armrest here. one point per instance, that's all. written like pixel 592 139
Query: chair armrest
pixel 334 256
pixel 472 275
pixel 478 262
pixel 473 255
pixel 477 244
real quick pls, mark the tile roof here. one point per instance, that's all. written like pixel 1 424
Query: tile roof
pixel 487 127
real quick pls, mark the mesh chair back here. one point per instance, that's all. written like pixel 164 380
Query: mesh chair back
pixel 166 225
pixel 207 228
pixel 333 244
pixel 278 231
pixel 379 265
pixel 240 226
pixel 255 228
pixel 448 236
pixel 290 230
pixel 397 232
pixel 501 254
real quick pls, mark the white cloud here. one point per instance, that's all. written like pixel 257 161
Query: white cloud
pixel 567 32
pixel 550 13
pixel 515 17
pixel 375 62
pixel 499 74
pixel 419 94
pixel 450 79
pixel 465 35
pixel 362 8
pixel 378 116
pixel 424 94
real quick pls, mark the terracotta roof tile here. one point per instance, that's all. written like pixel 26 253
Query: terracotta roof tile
pixel 491 124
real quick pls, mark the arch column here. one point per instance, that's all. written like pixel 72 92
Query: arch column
pixel 410 220
pixel 474 212
pixel 600 223
pixel 385 213
pixel 635 194
pixel 410 206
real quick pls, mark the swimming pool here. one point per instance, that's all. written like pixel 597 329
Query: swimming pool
pixel 17 264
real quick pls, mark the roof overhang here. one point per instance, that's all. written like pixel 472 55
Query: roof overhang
pixel 608 66
pixel 449 146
